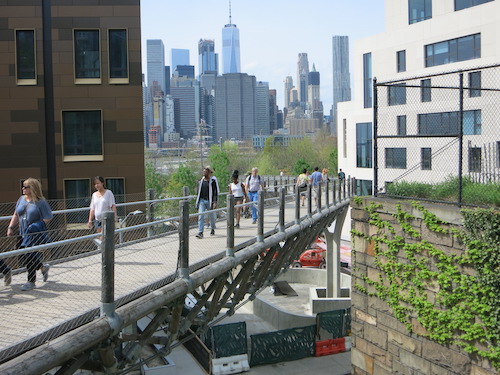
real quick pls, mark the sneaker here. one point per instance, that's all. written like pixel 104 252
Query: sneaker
pixel 28 286
pixel 212 232
pixel 200 235
pixel 7 279
pixel 45 271
pixel 254 222
pixel 237 225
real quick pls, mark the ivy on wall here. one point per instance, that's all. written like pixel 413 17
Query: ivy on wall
pixel 465 308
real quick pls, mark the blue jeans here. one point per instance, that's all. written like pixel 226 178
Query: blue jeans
pixel 253 196
pixel 204 205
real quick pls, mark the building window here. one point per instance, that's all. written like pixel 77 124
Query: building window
pixel 448 123
pixel 419 10
pixel 401 61
pixel 82 135
pixel 426 158
pixel 118 56
pixel 25 57
pixel 364 145
pixel 395 158
pixel 462 4
pixel 401 124
pixel 87 56
pixel 453 50
pixel 367 80
pixel 425 90
pixel 474 84
pixel 474 159
pixel 397 94
pixel 117 186
pixel 472 122
pixel 77 194
pixel 364 187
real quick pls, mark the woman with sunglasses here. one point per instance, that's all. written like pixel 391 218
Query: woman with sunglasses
pixel 32 214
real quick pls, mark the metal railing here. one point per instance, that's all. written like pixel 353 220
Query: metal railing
pixel 93 274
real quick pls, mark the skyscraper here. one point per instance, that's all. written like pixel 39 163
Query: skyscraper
pixel 302 75
pixel 208 59
pixel 262 109
pixel 313 93
pixel 235 106
pixel 341 76
pixel 179 56
pixel 231 47
pixel 155 55
pixel 288 90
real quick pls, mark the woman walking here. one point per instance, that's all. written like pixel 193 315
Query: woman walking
pixel 32 214
pixel 102 200
pixel 238 190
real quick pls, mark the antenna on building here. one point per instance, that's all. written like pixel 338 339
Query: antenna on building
pixel 230 12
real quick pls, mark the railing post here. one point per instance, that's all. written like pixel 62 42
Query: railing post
pixel 260 217
pixel 327 198
pixel 297 204
pixel 108 265
pixel 334 191
pixel 275 186
pixel 282 209
pixel 230 226
pixel 184 239
pixel 151 196
pixel 185 191
pixel 309 199
pixel 319 196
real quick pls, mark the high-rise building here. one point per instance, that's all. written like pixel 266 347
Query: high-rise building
pixel 302 75
pixel 186 109
pixel 273 110
pixel 70 113
pixel 231 47
pixel 313 92
pixel 208 59
pixel 262 108
pixel 235 106
pixel 166 88
pixel 341 75
pixel 178 56
pixel 155 57
pixel 288 90
pixel 184 71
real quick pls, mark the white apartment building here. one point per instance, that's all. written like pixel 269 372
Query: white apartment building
pixel 417 122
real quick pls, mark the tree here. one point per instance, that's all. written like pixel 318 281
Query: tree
pixel 154 179
pixel 182 177
pixel 300 165
pixel 219 161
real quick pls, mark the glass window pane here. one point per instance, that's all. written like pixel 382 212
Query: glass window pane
pixel 87 51
pixel 401 121
pixel 118 58
pixel 77 194
pixel 25 54
pixel 426 158
pixel 474 84
pixel 82 133
pixel 117 186
pixel 364 145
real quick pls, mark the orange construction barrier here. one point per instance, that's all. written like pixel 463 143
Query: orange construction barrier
pixel 327 347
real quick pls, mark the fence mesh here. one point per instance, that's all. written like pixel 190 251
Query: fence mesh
pixel 437 137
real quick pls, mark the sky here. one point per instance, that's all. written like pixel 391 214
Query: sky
pixel 272 33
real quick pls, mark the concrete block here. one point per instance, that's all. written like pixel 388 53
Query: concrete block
pixel 362 361
pixel 415 362
pixel 230 365
pixel 361 316
pixel 443 357
pixel 376 336
pixel 405 342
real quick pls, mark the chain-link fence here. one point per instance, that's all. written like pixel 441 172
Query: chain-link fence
pixel 437 137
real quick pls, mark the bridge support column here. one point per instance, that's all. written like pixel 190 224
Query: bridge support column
pixel 333 242
pixel 282 209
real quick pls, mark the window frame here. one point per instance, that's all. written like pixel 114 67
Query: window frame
pixel 452 53
pixel 82 157
pixel 446 121
pixel 427 10
pixel 364 149
pixel 118 80
pixel 119 195
pixel 474 166
pixel 87 80
pixel 399 125
pixel 425 90
pixel 472 3
pixel 426 158
pixel 367 80
pixel 78 221
pixel 396 94
pixel 401 61
pixel 393 159
pixel 475 92
pixel 25 81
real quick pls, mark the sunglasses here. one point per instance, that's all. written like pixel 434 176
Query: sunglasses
pixel 26 187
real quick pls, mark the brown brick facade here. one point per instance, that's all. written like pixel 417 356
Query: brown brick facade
pixel 25 148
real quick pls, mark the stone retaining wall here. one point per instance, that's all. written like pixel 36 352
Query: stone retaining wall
pixel 381 344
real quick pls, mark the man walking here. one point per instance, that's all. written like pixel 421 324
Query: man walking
pixel 316 179
pixel 252 185
pixel 208 193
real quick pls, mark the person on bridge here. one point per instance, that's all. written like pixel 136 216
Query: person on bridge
pixel 102 200
pixel 208 193
pixel 301 184
pixel 240 195
pixel 32 214
pixel 253 184
pixel 316 180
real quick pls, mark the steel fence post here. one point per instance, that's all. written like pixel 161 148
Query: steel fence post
pixel 334 191
pixel 319 196
pixel 108 265
pixel 297 204
pixel 327 198
pixel 260 217
pixel 309 199
pixel 184 239
pixel 230 226
pixel 282 209
pixel 151 196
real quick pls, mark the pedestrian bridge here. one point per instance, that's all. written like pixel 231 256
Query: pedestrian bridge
pixel 85 316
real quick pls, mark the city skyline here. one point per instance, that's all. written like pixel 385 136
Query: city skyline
pixel 269 53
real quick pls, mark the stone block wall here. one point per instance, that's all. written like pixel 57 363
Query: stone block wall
pixel 381 344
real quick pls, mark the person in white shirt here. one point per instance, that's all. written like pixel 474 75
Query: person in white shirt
pixel 237 188
pixel 102 201
pixel 253 184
